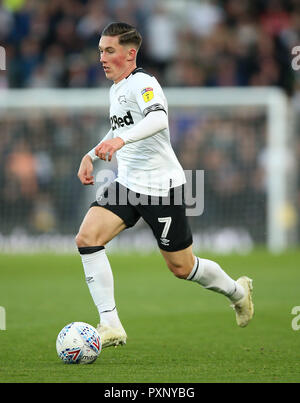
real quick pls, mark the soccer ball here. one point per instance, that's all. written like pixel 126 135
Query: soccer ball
pixel 78 343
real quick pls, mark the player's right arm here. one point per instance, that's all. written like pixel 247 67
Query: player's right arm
pixel 85 172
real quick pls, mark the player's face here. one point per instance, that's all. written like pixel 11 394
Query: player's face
pixel 115 58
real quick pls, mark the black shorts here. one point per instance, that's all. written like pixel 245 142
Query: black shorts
pixel 165 216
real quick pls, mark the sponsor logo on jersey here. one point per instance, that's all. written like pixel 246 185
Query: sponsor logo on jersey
pixel 147 94
pixel 117 122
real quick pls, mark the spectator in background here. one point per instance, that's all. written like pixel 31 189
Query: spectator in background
pixel 275 18
pixel 161 40
pixel 203 17
pixel 90 23
pixel 21 167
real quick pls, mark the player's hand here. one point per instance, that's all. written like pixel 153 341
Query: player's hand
pixel 85 172
pixel 109 147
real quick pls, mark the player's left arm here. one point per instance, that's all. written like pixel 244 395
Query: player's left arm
pixel 151 124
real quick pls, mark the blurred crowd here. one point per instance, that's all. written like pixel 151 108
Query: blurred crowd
pixel 41 152
pixel 229 146
pixel 185 42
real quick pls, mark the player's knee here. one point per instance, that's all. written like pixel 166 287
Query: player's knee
pixel 179 270
pixel 80 240
pixel 83 240
pixel 181 273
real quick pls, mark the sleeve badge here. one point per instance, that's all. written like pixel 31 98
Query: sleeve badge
pixel 147 94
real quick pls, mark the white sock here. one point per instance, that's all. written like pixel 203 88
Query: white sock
pixel 99 278
pixel 210 275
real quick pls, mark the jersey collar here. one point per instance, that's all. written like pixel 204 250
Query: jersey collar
pixel 136 70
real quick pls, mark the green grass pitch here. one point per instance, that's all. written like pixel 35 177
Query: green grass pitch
pixel 177 331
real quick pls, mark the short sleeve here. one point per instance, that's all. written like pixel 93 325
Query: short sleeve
pixel 148 93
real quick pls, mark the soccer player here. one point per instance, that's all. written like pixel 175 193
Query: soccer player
pixel 147 170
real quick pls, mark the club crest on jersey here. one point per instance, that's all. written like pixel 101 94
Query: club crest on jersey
pixel 122 99
pixel 147 94
pixel 117 122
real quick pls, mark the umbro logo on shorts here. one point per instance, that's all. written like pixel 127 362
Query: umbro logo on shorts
pixel 117 122
pixel 165 241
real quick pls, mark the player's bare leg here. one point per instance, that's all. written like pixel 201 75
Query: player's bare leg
pixel 185 265
pixel 181 262
pixel 97 229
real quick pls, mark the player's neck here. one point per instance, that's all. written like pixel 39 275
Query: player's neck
pixel 126 73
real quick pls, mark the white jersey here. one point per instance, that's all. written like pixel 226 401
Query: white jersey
pixel 148 166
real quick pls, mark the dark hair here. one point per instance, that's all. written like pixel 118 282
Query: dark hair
pixel 127 33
